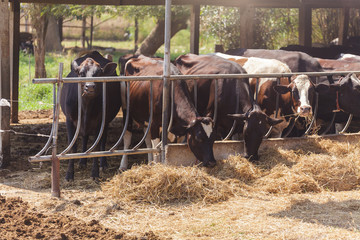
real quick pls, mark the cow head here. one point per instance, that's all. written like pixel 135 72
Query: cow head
pixel 348 89
pixel 254 129
pixel 90 68
pixel 302 92
pixel 200 139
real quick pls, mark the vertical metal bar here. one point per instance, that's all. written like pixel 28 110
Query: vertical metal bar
pixel 215 101
pixel 102 120
pixel 256 89
pixel 126 117
pixel 195 93
pixel 277 109
pixel 78 122
pixel 347 124
pixel 171 107
pixel 150 118
pixel 165 104
pixel 237 94
pixel 55 169
pixel 47 145
pixel 314 116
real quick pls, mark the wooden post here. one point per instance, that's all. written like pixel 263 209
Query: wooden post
pixel 305 27
pixel 14 55
pixel 4 83
pixel 91 31
pixel 195 29
pixel 247 15
pixel 344 26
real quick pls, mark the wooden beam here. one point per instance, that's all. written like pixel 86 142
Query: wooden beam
pixel 305 27
pixel 14 55
pixel 247 15
pixel 344 26
pixel 194 29
pixel 4 83
pixel 228 3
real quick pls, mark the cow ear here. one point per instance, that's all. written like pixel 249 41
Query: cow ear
pixel 109 69
pixel 132 66
pixel 238 116
pixel 321 87
pixel 282 89
pixel 273 121
pixel 75 67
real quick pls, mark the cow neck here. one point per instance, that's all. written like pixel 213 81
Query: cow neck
pixel 184 111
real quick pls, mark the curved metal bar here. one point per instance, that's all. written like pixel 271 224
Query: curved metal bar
pixel 329 126
pixel 276 111
pixel 291 126
pixel 314 116
pixel 126 117
pixel 171 107
pixel 347 124
pixel 150 118
pixel 47 144
pixel 102 120
pixel 215 102
pixel 236 111
pixel 195 93
pixel 78 122
pixel 256 89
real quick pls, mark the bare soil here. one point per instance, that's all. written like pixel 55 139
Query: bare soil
pixel 27 210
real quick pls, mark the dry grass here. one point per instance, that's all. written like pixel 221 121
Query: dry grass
pixel 321 166
pixel 160 184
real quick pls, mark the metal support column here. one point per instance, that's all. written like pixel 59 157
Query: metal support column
pixel 166 86
pixel 4 84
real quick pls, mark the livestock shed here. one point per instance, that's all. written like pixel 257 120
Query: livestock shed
pixel 10 25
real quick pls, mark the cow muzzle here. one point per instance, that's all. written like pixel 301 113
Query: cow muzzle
pixel 89 89
pixel 305 111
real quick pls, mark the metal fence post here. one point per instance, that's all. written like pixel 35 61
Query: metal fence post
pixel 166 88
pixel 55 168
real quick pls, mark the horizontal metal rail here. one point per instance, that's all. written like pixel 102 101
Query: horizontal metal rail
pixel 94 154
pixel 187 77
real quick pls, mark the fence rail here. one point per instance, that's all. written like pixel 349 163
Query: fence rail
pixel 64 155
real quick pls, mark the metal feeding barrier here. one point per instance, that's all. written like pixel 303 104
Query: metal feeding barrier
pixel 65 155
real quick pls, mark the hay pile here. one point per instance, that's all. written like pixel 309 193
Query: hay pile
pixel 322 166
pixel 161 184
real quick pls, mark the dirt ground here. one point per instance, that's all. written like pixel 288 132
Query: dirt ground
pixel 27 210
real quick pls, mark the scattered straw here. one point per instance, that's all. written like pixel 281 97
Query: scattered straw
pixel 335 174
pixel 161 184
pixel 284 180
pixel 235 167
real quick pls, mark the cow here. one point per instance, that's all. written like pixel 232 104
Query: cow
pixel 331 52
pixel 348 94
pixel 298 62
pixel 251 121
pixel 92 64
pixel 339 65
pixel 349 57
pixel 186 120
pixel 296 96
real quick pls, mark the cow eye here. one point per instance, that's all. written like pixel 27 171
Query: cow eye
pixel 295 93
pixel 198 138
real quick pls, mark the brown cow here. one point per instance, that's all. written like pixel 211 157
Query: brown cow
pixel 253 122
pixel 186 120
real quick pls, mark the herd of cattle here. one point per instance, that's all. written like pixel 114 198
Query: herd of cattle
pixel 241 107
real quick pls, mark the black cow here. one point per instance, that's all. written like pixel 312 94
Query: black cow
pixel 253 123
pixel 92 64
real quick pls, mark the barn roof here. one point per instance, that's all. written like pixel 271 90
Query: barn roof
pixel 234 3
